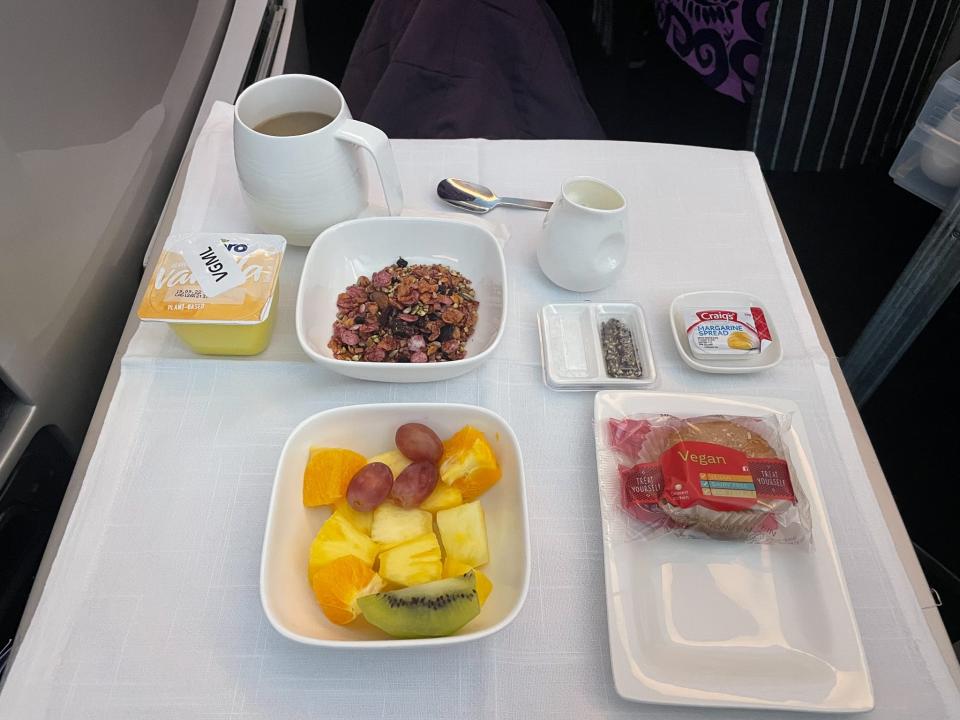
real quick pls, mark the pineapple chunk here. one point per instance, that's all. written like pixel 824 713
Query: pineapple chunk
pixel 455 568
pixel 393 459
pixel 442 497
pixel 463 531
pixel 337 538
pixel 360 520
pixel 413 562
pixel 393 525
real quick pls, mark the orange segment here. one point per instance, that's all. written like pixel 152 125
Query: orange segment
pixel 468 463
pixel 339 583
pixel 328 472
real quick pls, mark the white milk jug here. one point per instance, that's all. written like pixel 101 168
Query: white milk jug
pixel 584 246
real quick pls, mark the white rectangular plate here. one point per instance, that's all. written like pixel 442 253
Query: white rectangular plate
pixel 727 624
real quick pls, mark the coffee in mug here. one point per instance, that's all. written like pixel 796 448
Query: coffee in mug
pixel 293 123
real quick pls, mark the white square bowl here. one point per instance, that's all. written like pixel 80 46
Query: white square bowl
pixel 286 595
pixel 343 253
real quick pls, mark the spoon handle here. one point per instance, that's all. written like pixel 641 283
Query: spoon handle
pixel 523 203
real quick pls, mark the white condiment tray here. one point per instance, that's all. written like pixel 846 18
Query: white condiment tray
pixel 571 353
pixel 730 365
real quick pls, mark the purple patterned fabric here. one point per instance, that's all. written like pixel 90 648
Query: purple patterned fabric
pixel 720 39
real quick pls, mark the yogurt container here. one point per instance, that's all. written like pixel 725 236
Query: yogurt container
pixel 217 291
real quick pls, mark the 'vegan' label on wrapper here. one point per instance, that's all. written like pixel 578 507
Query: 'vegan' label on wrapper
pixel 698 473
pixel 721 478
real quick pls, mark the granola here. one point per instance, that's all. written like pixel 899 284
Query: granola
pixel 405 313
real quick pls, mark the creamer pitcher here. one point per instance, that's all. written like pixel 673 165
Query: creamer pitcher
pixel 584 245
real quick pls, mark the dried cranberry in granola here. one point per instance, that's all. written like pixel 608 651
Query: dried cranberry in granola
pixel 405 313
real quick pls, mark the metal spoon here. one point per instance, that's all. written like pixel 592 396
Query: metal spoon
pixel 479 199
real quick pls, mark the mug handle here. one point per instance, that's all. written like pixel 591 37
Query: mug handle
pixel 375 142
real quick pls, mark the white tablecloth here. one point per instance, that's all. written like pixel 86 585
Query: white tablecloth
pixel 152 609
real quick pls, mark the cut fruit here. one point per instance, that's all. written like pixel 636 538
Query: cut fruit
pixel 455 568
pixel 337 585
pixel 328 473
pixel 434 609
pixel 393 525
pixel 337 538
pixel 419 443
pixel 393 459
pixel 413 562
pixel 463 531
pixel 414 484
pixel 442 497
pixel 369 487
pixel 360 520
pixel 468 463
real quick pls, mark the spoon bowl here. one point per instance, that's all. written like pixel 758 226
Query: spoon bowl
pixel 478 198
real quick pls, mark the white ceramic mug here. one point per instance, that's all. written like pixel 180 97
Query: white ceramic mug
pixel 299 185
pixel 584 246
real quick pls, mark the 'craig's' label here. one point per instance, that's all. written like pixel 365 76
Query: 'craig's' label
pixel 727 332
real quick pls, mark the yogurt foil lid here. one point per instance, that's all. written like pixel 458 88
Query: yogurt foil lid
pixel 223 278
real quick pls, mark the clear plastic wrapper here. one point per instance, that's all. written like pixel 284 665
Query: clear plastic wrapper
pixel 715 476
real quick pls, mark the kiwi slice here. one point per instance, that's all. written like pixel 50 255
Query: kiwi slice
pixel 432 609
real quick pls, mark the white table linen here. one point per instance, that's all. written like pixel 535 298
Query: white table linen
pixel 152 606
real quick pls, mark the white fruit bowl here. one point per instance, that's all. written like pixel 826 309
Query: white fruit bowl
pixel 285 593
pixel 346 251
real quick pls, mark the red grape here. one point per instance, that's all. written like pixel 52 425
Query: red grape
pixel 414 484
pixel 369 487
pixel 418 442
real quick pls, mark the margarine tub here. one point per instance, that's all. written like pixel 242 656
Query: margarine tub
pixel 217 291
pixel 723 333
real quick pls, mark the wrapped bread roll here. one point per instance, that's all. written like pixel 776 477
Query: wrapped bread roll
pixel 723 477
pixel 731 523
